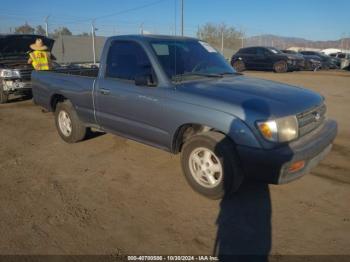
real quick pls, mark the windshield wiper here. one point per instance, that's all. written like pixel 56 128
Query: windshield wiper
pixel 179 77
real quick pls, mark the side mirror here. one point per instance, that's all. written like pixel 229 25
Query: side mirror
pixel 144 80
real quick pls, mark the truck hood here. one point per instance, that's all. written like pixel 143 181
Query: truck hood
pixel 16 46
pixel 250 98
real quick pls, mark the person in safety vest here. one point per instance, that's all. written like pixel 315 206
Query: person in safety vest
pixel 40 58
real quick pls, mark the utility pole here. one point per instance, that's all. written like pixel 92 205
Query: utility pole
pixel 342 44
pixel 242 38
pixel 141 29
pixel 47 25
pixel 222 40
pixel 182 17
pixel 93 40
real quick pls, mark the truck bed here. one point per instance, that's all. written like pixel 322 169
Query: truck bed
pixel 79 71
pixel 76 83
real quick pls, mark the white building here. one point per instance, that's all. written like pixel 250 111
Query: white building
pixel 329 51
pixel 298 48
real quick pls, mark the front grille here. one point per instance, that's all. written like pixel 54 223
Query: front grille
pixel 25 73
pixel 311 119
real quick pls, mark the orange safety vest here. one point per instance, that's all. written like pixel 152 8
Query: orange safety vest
pixel 40 60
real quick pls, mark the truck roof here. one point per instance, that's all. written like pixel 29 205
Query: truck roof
pixel 152 37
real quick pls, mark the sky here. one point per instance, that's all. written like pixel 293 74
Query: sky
pixel 310 19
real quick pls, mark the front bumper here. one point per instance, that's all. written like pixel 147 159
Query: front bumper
pixel 16 85
pixel 272 166
pixel 296 64
pixel 313 65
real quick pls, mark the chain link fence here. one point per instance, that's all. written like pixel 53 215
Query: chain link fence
pixel 77 49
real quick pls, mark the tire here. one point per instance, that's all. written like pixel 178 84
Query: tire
pixel 280 67
pixel 4 97
pixel 198 170
pixel 239 66
pixel 68 125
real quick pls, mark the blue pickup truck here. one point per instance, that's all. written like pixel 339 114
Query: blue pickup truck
pixel 179 94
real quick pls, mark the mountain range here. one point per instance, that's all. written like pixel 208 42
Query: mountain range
pixel 286 42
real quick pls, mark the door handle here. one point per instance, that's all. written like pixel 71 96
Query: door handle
pixel 104 91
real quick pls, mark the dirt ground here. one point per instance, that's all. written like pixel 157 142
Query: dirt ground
pixel 109 195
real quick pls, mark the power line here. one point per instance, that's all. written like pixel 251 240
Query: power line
pixel 131 9
pixel 85 19
pixel 118 13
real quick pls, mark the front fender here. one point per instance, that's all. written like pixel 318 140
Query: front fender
pixel 241 134
pixel 226 123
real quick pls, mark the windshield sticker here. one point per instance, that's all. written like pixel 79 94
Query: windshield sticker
pixel 161 49
pixel 208 47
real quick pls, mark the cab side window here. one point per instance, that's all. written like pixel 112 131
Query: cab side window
pixel 126 60
pixel 250 51
pixel 262 51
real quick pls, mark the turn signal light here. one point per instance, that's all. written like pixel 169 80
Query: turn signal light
pixel 266 130
pixel 296 166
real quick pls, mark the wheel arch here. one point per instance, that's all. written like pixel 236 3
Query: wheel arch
pixel 185 131
pixel 55 99
pixel 237 131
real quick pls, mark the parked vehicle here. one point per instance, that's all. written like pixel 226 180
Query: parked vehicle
pixel 311 62
pixel 344 59
pixel 265 58
pixel 14 70
pixel 180 95
pixel 327 62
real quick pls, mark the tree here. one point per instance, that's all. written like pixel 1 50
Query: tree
pixel 24 29
pixel 61 31
pixel 39 30
pixel 212 33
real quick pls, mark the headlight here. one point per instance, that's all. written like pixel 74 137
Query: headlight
pixel 279 130
pixel 314 61
pixel 8 73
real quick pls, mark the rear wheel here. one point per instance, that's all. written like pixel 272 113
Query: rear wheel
pixel 3 95
pixel 239 66
pixel 210 165
pixel 280 67
pixel 68 125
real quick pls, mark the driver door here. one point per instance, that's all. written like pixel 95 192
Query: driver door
pixel 123 107
pixel 262 58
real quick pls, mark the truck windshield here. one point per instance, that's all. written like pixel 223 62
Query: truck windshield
pixel 190 58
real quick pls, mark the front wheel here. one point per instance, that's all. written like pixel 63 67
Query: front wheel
pixel 280 67
pixel 210 165
pixel 239 66
pixel 68 125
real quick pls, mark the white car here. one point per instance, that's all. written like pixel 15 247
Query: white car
pixel 344 57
